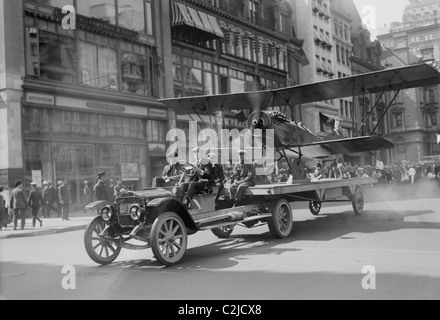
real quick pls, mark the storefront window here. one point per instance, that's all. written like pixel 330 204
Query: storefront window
pixel 100 9
pixel 57 57
pixel 37 157
pixel 98 66
pixel 134 73
pixel 131 14
pixel 36 122
pixel 156 131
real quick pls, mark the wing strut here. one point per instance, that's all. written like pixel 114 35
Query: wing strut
pixel 386 110
pixel 375 105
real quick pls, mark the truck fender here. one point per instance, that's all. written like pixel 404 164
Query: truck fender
pixel 99 205
pixel 160 205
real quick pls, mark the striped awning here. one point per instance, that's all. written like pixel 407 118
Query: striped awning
pixel 183 15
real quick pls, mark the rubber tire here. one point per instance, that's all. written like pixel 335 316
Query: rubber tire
pixel 221 233
pixel 89 246
pixel 273 222
pixel 312 208
pixel 155 238
pixel 358 202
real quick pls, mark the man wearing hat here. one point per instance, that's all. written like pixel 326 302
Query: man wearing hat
pixel 49 199
pixel 171 174
pixel 65 198
pixel 244 175
pixel 99 188
pixel 35 201
pixel 19 204
pixel 218 173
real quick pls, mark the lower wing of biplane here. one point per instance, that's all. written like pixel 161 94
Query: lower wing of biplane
pixel 291 136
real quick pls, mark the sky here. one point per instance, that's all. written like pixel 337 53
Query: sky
pixel 384 13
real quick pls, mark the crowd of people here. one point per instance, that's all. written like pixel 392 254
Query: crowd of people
pixel 49 200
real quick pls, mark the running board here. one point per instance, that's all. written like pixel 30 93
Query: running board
pixel 229 223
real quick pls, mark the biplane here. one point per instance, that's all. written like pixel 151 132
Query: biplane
pixel 161 221
pixel 294 137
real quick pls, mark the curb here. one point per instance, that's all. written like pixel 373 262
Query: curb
pixel 44 232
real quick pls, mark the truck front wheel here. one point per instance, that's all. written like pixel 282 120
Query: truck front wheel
pixel 169 238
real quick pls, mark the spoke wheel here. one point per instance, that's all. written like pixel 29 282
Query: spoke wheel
pixel 223 232
pixel 169 238
pixel 99 249
pixel 315 207
pixel 281 222
pixel 358 201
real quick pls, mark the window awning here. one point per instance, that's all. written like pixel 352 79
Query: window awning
pixel 183 15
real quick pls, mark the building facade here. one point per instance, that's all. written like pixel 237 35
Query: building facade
pixel 314 24
pixel 414 121
pixel 84 100
pixel 77 101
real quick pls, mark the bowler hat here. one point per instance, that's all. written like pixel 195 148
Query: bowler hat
pixel 18 183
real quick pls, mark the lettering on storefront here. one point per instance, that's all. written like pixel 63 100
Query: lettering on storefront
pixel 157 147
pixel 40 99
pixel 156 113
pixel 105 107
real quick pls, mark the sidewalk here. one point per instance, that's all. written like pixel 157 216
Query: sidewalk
pixel 78 221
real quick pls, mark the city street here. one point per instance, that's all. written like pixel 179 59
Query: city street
pixel 323 259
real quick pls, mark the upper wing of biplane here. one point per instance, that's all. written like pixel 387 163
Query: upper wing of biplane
pixel 374 82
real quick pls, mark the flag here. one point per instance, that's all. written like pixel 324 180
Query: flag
pixel 301 57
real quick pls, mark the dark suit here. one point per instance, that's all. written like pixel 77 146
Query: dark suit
pixel 172 172
pixel 100 191
pixel 35 201
pixel 198 179
pixel 219 178
pixel 49 198
pixel 65 198
pixel 19 204
pixel 245 178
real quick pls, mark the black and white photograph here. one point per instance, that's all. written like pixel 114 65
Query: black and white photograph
pixel 221 155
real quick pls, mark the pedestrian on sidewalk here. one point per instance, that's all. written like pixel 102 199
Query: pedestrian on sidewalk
pixel 35 201
pixel 65 198
pixel 19 204
pixel 4 217
pixel 412 174
pixel 99 189
pixel 48 199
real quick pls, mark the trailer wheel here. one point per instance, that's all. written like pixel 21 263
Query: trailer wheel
pixel 358 201
pixel 100 250
pixel 169 238
pixel 281 222
pixel 223 232
pixel 315 207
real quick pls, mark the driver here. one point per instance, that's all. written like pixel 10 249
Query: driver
pixel 170 175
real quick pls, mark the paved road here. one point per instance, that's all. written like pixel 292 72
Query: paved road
pixel 323 259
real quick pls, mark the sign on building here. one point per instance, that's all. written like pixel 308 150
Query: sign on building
pixel 130 172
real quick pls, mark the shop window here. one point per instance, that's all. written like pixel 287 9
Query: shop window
pixel 56 57
pixel 156 131
pixel 136 74
pixel 37 157
pixel 98 66
pixel 100 9
pixel 131 14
